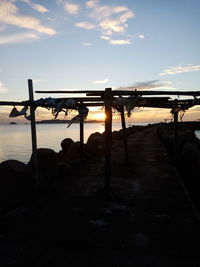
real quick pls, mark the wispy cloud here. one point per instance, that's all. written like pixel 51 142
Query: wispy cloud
pixel 120 42
pixel 107 19
pixel 9 14
pixel 87 44
pixel 180 69
pixel 3 89
pixel 100 12
pixel 85 25
pixel 139 36
pixel 35 6
pixel 18 38
pixel 70 7
pixel 101 81
pixel 104 37
pixel 153 84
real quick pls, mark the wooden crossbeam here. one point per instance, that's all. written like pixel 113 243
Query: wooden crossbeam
pixel 140 92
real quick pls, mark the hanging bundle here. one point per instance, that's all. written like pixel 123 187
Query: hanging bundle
pixel 57 105
pixel 128 102
pixel 82 115
pixel 23 112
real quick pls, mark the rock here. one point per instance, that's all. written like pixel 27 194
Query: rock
pixel 190 154
pixel 95 144
pixel 17 184
pixel 72 153
pixel 63 170
pixel 116 136
pixel 47 161
pixel 65 144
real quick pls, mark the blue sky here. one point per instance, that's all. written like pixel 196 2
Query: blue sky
pixel 95 44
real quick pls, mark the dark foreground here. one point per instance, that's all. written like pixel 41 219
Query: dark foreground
pixel 149 219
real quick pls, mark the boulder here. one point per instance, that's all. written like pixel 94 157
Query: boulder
pixel 116 136
pixel 190 154
pixel 47 163
pixel 95 144
pixel 72 153
pixel 65 144
pixel 17 184
pixel 63 170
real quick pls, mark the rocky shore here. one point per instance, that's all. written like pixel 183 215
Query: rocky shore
pixel 150 219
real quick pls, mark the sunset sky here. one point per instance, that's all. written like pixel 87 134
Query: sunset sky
pixel 77 44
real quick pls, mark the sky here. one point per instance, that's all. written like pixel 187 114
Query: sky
pixel 94 44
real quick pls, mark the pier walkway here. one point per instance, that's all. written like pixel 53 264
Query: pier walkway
pixel 149 219
pixel 159 225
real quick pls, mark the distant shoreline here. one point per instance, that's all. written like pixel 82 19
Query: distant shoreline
pixel 67 121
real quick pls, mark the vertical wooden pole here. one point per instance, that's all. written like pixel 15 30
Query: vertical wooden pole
pixel 81 138
pixel 108 137
pixel 33 132
pixel 124 135
pixel 176 131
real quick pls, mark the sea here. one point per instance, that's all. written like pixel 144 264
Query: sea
pixel 15 139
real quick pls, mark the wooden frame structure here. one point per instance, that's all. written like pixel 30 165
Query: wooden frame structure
pixel 107 98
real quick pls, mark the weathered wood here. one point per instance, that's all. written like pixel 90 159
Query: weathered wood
pixel 70 92
pixel 14 103
pixel 33 132
pixel 121 92
pixel 108 137
pixel 176 131
pixel 140 92
pixel 124 135
pixel 81 138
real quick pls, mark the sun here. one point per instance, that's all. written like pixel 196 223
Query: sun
pixel 99 116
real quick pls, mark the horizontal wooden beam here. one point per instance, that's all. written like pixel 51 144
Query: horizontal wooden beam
pixel 27 103
pixel 140 92
pixel 70 92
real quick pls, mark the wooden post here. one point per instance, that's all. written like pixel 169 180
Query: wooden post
pixel 124 135
pixel 33 132
pixel 176 131
pixel 81 138
pixel 108 137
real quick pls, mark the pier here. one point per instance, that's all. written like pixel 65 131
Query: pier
pixel 125 207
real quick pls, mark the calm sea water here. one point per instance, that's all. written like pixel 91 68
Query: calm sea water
pixel 15 140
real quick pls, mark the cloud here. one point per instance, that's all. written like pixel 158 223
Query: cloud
pixel 120 42
pixel 180 69
pixel 85 25
pixel 100 12
pixel 101 81
pixel 139 36
pixel 2 28
pixel 3 89
pixel 107 19
pixel 87 44
pixel 37 7
pixel 112 25
pixel 70 7
pixel 9 15
pixel 153 84
pixel 105 37
pixel 18 38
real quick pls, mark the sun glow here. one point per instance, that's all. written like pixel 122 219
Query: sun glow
pixel 99 116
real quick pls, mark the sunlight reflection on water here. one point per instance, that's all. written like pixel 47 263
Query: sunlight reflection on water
pixel 15 140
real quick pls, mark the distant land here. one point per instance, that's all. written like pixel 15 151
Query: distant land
pixel 68 121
